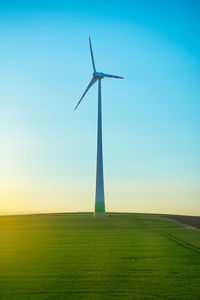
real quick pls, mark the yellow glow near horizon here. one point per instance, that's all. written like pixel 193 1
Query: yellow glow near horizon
pixel 138 197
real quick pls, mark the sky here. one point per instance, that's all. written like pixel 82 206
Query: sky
pixel 150 119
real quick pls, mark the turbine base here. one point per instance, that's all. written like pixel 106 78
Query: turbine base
pixel 99 214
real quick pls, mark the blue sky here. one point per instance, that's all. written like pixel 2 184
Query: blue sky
pixel 150 119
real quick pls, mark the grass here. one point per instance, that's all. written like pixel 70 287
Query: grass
pixel 77 256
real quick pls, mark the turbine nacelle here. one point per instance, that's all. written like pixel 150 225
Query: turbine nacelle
pixel 98 75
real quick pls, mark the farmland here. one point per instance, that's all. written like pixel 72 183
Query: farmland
pixel 187 220
pixel 77 256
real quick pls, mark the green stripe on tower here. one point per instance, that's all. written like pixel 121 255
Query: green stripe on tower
pixel 99 207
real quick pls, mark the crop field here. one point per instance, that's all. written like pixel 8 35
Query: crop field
pixel 77 256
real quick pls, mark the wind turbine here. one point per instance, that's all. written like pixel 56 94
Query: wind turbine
pixel 99 197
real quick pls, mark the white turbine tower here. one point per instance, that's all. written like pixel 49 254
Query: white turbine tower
pixel 99 197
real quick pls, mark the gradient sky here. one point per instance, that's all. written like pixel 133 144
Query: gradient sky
pixel 150 119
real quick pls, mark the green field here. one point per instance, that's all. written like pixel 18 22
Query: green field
pixel 77 256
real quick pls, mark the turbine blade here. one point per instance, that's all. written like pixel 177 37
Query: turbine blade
pixel 112 76
pixel 93 64
pixel 89 86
